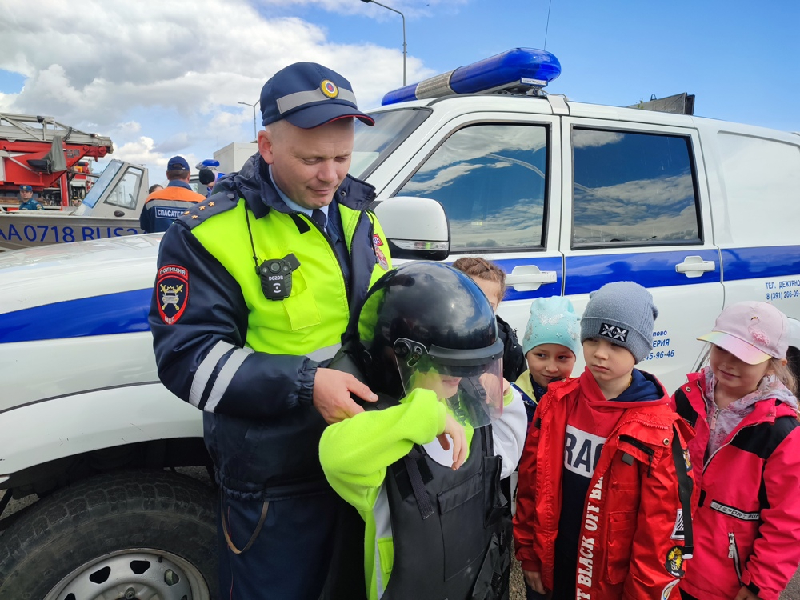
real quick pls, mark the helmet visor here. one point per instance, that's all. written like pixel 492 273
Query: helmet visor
pixel 469 382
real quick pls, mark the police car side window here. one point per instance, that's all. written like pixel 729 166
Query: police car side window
pixel 491 180
pixel 633 189
pixel 126 192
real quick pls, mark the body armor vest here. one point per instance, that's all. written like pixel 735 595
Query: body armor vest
pixel 446 525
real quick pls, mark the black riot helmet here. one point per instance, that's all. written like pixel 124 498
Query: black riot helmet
pixel 425 324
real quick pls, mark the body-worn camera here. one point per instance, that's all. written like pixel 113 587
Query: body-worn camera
pixel 276 276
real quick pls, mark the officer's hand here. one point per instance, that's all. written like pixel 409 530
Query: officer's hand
pixel 456 432
pixel 745 594
pixel 534 581
pixel 332 391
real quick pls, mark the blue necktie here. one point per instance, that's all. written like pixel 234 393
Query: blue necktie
pixel 319 218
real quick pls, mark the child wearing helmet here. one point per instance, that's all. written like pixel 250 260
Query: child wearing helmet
pixel 604 501
pixel 423 468
pixel 746 456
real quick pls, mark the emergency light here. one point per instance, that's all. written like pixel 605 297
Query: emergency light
pixel 520 67
pixel 209 163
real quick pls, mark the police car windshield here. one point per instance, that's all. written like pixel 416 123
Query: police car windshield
pixel 374 144
pixel 102 183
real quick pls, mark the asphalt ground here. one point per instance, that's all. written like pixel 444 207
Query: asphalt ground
pixel 517 587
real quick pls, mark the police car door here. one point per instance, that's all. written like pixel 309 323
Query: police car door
pixel 495 173
pixel 636 209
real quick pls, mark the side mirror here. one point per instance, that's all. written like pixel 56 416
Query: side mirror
pixel 416 228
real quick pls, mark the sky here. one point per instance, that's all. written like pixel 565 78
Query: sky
pixel 162 77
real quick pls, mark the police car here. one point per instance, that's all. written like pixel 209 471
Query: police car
pixel 565 196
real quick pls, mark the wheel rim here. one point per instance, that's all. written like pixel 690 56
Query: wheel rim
pixel 139 574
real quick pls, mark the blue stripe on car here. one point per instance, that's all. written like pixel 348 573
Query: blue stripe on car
pixel 650 269
pixel 757 263
pixel 125 312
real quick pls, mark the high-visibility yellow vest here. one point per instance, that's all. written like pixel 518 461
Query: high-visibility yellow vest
pixel 316 313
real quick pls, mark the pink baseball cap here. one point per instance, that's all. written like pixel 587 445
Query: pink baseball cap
pixel 753 332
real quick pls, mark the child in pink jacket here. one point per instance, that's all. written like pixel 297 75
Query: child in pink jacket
pixel 746 458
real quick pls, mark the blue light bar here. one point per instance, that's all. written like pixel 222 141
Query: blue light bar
pixel 209 163
pixel 521 66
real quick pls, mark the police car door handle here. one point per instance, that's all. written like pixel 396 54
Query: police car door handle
pixel 528 278
pixel 695 266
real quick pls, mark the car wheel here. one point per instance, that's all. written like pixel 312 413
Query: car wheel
pixel 123 535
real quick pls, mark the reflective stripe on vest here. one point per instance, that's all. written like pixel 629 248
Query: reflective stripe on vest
pixel 316 313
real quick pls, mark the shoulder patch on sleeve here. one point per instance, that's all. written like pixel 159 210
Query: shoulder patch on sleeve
pixel 172 292
pixel 213 205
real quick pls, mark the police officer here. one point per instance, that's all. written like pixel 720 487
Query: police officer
pixel 26 201
pixel 254 292
pixel 165 205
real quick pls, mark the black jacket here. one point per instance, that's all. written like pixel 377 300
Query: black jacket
pixel 514 363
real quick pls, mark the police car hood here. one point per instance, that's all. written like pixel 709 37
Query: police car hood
pixel 253 183
pixel 62 272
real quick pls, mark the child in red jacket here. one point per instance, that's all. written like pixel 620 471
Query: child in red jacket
pixel 603 509
pixel 747 454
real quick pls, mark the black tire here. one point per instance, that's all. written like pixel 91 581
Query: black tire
pixel 119 518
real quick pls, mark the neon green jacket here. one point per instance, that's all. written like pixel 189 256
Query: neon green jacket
pixel 356 452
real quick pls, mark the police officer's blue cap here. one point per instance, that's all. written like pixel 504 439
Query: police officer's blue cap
pixel 309 95
pixel 177 163
pixel 25 188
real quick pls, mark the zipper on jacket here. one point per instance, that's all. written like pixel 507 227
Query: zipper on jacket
pixel 640 446
pixel 728 443
pixel 733 552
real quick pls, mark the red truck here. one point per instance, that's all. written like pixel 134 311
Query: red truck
pixel 47 155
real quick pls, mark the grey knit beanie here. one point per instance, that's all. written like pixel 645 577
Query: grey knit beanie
pixel 622 312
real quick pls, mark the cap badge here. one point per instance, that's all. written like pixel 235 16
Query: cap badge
pixel 329 88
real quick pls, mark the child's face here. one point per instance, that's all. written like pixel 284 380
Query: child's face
pixel 492 291
pixel 550 362
pixel 445 386
pixel 735 378
pixel 609 363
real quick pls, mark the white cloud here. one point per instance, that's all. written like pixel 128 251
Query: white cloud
pixel 128 128
pixel 660 209
pixel 409 8
pixel 471 147
pixel 120 55
pixel 123 62
pixel 174 143
pixel 512 226
pixel 140 152
pixel 586 138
